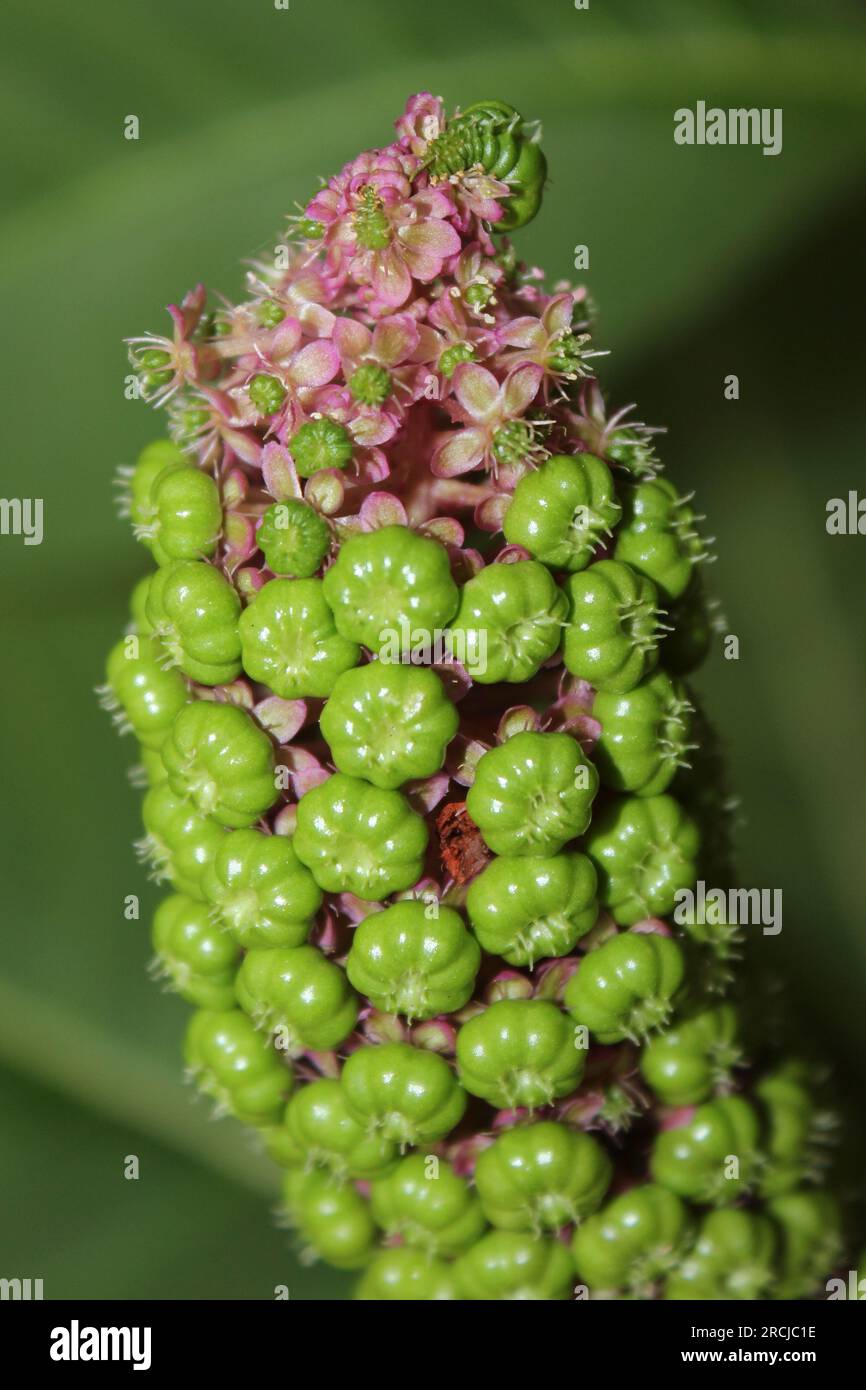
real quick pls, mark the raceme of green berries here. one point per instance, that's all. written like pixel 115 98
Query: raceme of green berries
pixel 224 1054
pixel 267 393
pixel 632 1242
pixel 611 638
pixel 181 841
pixel 293 538
pixel 322 443
pixel 198 959
pixel 193 611
pixel 625 987
pixel 407 1095
pixel 260 891
pixel 187 515
pixel 332 1218
pixel 541 1177
pixel 713 1157
pixel 386 585
pixel 561 511
pixel 150 696
pixel 509 621
pixel 389 723
pixel 359 839
pixel 733 1257
pixel 692 1058
pixel 411 962
pixel 644 735
pixel 325 1133
pixel 519 1052
pixel 532 794
pixel 515 1265
pixel 524 909
pixel 427 1205
pixel 405 1275
pixel 645 851
pixel 218 757
pixel 658 536
pixel 290 642
pixel 298 993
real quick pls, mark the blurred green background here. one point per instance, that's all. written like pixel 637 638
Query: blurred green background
pixel 703 261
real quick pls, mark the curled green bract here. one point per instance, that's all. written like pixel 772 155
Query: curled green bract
pixel 407 1095
pixel 193 610
pixel 387 585
pixel 260 890
pixel 389 723
pixel 541 1176
pixel 509 621
pixel 624 988
pixel 224 763
pixel 492 135
pixel 519 1052
pixel 645 851
pixel 612 635
pixel 355 838
pixel 532 794
pixel 563 510
pixel 524 909
pixel 290 642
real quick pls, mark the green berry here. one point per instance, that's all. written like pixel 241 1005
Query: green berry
pixel 624 988
pixel 389 723
pixel 425 1203
pixel 331 1217
pixel 319 444
pixel 562 511
pixel 515 1265
pixel 267 394
pixel 713 1157
pixel 645 851
pixel 532 794
pixel 509 621
pixel 612 635
pixel 138 606
pixel 225 1056
pixel 541 1177
pixel 222 761
pixel 810 1240
pixel 644 735
pixel 326 1133
pixel 188 515
pixel 270 313
pixel 181 841
pixel 389 585
pixel 359 839
pixel 199 959
pixel 407 1095
pixel 310 229
pixel 290 642
pixel 149 695
pixel 153 460
pixel 632 1242
pixel 691 1059
pixel 194 611
pixel 732 1258
pixel 658 536
pixel 407 1275
pixel 370 384
pixel 407 961
pixel 527 908
pixel 519 1052
pixel 260 890
pixel 299 994
pixel 790 1116
pixel 293 538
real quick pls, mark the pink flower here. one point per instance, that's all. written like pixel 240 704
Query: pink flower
pixel 547 341
pixel 484 405
pixel 421 123
pixel 182 358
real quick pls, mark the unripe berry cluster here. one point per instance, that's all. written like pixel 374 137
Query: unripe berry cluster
pixel 408 681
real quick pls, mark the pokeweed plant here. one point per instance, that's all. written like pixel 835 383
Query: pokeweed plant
pixel 424 773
